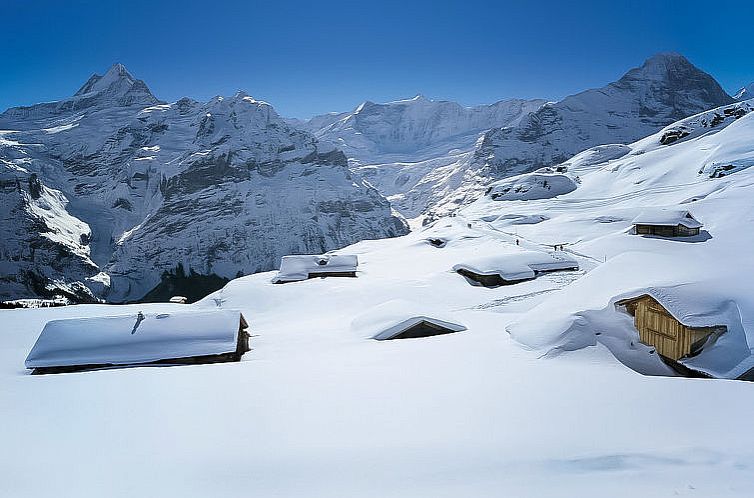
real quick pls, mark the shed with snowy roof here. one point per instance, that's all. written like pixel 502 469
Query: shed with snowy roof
pixel 305 266
pixel 397 319
pixel 511 268
pixel 671 325
pixel 666 223
pixel 139 339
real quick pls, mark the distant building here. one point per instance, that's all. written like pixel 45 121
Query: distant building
pixel 302 267
pixel 151 339
pixel 666 223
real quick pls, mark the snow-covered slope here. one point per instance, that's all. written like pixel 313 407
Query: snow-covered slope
pixel 317 408
pixel 400 147
pixel 705 169
pixel 666 88
pixel 223 188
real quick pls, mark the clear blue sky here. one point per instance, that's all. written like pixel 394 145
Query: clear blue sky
pixel 310 57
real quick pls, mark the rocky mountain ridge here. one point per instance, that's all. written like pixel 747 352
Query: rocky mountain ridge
pixel 219 188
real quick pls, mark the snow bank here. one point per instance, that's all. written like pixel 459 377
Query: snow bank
pixel 133 339
pixel 391 318
pixel 696 298
pixel 532 186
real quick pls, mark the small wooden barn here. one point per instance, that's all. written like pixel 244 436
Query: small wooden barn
pixel 659 328
pixel 151 339
pixel 302 267
pixel 666 223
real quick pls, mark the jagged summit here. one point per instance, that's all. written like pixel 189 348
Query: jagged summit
pixel 117 86
pixel 116 74
pixel 745 93
pixel 675 73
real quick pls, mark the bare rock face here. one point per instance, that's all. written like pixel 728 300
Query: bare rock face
pixel 220 188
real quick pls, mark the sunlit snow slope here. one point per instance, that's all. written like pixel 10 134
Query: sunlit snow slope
pixel 521 403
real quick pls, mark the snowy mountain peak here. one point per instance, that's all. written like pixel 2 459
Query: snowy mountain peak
pixel 116 74
pixel 416 98
pixel 745 93
pixel 116 86
pixel 675 71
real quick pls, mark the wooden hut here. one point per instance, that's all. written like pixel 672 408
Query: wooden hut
pixel 666 223
pixel 659 328
pixel 186 337
pixel 302 267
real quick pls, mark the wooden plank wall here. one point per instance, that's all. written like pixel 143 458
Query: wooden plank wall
pixel 658 328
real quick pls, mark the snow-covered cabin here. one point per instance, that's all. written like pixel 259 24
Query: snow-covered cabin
pixel 510 268
pixel 305 266
pixel 659 327
pixel 185 337
pixel 399 319
pixel 666 223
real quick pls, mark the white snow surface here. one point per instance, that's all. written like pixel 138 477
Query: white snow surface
pixel 531 186
pixel 129 339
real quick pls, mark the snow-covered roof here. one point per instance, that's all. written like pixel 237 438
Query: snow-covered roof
pixel 131 339
pixel 666 217
pixel 691 305
pixel 298 267
pixel 391 318
pixel 519 265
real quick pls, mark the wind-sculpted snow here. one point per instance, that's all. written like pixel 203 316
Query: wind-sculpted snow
pixel 224 187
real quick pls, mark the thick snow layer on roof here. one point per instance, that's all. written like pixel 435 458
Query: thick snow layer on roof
pixel 388 319
pixel 666 217
pixel 518 265
pixel 298 267
pixel 133 339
